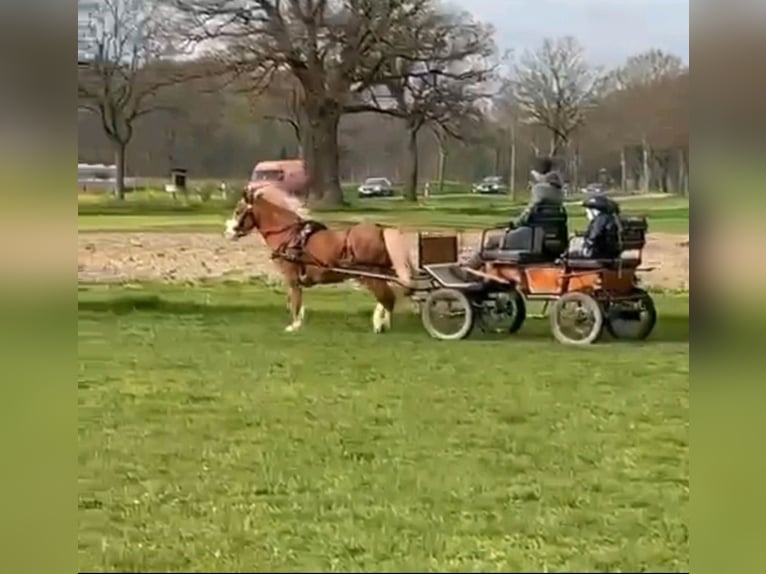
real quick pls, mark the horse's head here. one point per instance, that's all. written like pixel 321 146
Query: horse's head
pixel 262 207
pixel 243 220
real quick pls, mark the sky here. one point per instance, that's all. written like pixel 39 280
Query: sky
pixel 610 30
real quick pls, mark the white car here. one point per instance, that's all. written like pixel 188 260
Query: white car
pixel 376 187
pixel 492 184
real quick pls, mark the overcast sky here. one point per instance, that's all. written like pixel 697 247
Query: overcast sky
pixel 610 30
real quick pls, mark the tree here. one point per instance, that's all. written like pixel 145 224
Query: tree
pixel 332 49
pixel 436 76
pixel 555 88
pixel 125 70
pixel 646 69
pixel 649 102
pixel 283 103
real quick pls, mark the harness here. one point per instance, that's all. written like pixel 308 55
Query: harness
pixel 293 249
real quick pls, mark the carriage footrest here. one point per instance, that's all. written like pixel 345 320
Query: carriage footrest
pixel 449 275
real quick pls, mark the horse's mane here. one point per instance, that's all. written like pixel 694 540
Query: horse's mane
pixel 281 198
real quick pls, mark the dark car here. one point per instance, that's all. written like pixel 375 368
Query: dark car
pixel 492 184
pixel 376 187
pixel 595 188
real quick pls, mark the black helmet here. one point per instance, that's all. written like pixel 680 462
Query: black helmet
pixel 601 203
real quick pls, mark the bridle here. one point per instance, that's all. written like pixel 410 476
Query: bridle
pixel 248 211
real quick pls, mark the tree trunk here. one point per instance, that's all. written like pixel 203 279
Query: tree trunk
pixel 322 154
pixel 665 175
pixel 512 167
pixel 575 183
pixel 411 183
pixel 623 170
pixel 558 143
pixel 647 173
pixel 682 176
pixel 119 160
pixel 442 166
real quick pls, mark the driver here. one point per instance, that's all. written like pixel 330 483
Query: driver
pixel 547 189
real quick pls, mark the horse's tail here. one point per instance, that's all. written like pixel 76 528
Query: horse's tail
pixel 399 254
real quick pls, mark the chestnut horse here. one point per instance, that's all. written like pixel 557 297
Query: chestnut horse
pixel 306 252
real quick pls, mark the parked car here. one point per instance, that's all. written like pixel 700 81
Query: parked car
pixel 594 188
pixel 376 187
pixel 491 184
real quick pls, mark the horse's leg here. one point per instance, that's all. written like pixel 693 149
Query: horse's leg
pixel 297 310
pixel 294 294
pixel 381 316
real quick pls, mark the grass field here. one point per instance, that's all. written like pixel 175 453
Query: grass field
pixel 457 211
pixel 210 439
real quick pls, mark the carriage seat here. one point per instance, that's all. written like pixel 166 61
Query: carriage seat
pixel 619 263
pixel 632 238
pixel 544 238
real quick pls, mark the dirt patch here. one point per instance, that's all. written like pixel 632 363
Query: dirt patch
pixel 124 257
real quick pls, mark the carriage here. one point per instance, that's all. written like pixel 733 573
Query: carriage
pixel 582 297
pixel 586 296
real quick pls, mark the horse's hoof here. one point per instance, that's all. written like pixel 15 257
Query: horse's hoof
pixel 291 328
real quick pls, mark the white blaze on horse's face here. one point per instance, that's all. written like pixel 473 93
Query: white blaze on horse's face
pixel 231 227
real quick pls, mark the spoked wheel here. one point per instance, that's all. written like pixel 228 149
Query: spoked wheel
pixel 576 319
pixel 447 314
pixel 504 313
pixel 632 319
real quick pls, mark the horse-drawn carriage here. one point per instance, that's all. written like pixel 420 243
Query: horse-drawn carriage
pixel 582 296
pixel 586 294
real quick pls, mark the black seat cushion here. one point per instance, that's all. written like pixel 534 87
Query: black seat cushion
pixel 551 230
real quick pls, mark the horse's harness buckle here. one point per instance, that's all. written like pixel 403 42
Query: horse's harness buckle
pixel 292 249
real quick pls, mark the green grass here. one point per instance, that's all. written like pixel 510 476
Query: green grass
pixel 456 211
pixel 210 439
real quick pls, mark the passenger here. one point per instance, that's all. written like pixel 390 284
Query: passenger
pixel 602 238
pixel 548 189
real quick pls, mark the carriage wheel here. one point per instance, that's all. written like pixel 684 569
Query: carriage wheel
pixel 634 319
pixel 506 313
pixel 447 314
pixel 576 319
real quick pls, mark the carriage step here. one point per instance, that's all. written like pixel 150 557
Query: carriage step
pixel 446 274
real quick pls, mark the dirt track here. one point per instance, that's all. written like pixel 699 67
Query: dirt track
pixel 121 257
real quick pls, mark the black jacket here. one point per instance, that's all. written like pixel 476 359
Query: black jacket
pixel 602 239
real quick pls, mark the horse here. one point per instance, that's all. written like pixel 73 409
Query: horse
pixel 307 253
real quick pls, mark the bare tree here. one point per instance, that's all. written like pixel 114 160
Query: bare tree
pixel 505 115
pixel 644 96
pixel 283 103
pixel 437 76
pixel 555 88
pixel 332 48
pixel 124 69
pixel 646 69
